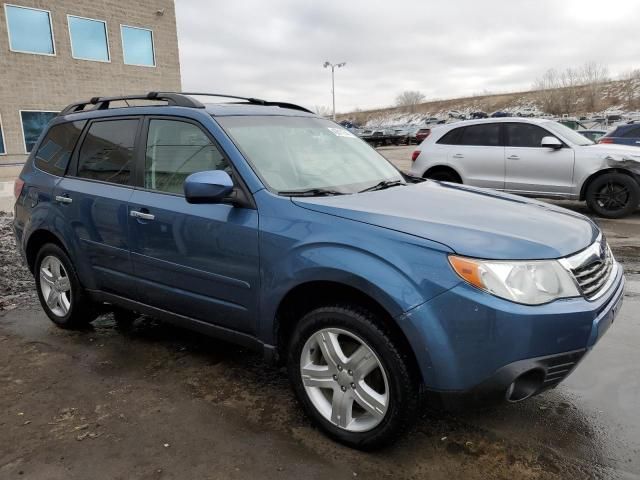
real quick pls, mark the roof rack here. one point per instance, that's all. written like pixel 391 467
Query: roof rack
pixel 102 103
pixel 255 101
pixel 179 99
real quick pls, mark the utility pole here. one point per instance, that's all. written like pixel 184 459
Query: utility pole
pixel 333 82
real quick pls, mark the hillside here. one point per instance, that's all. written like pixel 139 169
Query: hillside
pixel 612 97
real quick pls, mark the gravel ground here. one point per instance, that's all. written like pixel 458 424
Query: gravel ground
pixel 16 283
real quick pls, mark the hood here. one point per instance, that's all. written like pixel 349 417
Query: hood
pixel 471 221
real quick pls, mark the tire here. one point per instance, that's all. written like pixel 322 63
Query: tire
pixel 613 195
pixel 56 280
pixel 443 176
pixel 390 389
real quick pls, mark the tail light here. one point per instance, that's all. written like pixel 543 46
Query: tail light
pixel 415 155
pixel 606 140
pixel 17 187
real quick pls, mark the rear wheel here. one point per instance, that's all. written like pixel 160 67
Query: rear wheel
pixel 443 175
pixel 59 290
pixel 613 195
pixel 351 378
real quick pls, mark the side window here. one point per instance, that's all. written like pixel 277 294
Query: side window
pixel 486 135
pixel 57 146
pixel 107 151
pixel 525 135
pixel 175 150
pixel 451 138
pixel 632 133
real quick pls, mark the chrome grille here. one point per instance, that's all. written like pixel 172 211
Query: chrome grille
pixel 594 271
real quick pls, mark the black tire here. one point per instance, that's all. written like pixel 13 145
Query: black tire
pixel 403 384
pixel 443 176
pixel 81 310
pixel 613 195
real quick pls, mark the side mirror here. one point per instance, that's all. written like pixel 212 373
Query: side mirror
pixel 211 186
pixel 551 142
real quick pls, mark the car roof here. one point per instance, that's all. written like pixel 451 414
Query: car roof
pixel 481 121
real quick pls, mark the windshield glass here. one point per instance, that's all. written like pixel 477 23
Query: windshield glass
pixel 568 134
pixel 295 154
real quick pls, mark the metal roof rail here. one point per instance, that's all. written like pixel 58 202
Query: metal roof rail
pixel 102 103
pixel 254 101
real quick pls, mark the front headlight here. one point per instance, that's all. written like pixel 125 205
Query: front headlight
pixel 530 282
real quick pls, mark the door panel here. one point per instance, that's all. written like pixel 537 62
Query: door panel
pixel 479 155
pixel 535 170
pixel 196 260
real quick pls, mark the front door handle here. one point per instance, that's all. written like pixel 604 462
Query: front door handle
pixel 63 199
pixel 513 157
pixel 142 215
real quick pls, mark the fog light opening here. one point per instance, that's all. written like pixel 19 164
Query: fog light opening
pixel 525 385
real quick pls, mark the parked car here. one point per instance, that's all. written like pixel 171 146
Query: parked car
pixel 422 134
pixel 476 115
pixel 533 157
pixel 266 225
pixel 499 114
pixel 626 134
pixel 593 135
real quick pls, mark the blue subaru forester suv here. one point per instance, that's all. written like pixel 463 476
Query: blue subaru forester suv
pixel 266 225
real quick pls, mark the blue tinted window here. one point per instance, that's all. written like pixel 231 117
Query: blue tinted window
pixel 33 123
pixel 137 46
pixel 29 30
pixel 88 39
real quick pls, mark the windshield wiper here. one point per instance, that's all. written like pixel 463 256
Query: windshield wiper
pixel 383 184
pixel 312 192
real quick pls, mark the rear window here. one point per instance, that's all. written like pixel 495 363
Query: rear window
pixel 57 146
pixel 107 151
pixel 632 133
pixel 450 138
pixel 486 135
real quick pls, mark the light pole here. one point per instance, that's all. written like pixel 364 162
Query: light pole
pixel 333 82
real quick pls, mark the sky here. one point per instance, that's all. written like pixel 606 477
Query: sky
pixel 275 49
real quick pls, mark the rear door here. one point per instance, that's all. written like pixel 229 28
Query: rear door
pixel 200 261
pixel 94 195
pixel 477 153
pixel 535 170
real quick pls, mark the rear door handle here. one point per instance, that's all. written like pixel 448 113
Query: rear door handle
pixel 63 199
pixel 142 215
pixel 513 157
pixel 458 155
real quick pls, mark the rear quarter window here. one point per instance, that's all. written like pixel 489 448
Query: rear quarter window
pixel 56 148
pixel 451 137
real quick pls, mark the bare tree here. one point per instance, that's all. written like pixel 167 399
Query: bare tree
pixel 593 75
pixel 410 99
pixel 322 110
pixel 548 86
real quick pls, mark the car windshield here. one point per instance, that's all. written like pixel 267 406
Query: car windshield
pixel 298 154
pixel 568 134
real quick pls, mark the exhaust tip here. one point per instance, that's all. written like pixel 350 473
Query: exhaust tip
pixel 525 386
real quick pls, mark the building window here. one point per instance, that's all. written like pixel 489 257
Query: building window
pixel 88 39
pixel 29 30
pixel 137 46
pixel 3 149
pixel 33 123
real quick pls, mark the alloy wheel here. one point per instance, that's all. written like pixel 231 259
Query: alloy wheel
pixel 612 196
pixel 55 286
pixel 344 379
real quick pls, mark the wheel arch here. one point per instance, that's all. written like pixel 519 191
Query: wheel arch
pixel 442 168
pixel 599 173
pixel 35 242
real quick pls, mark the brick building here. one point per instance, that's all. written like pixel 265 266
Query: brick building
pixel 54 52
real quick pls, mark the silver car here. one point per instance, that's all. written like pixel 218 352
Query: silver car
pixel 533 157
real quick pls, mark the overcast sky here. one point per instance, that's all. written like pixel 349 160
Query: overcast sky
pixel 274 49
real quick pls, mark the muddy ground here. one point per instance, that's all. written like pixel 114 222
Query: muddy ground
pixel 157 402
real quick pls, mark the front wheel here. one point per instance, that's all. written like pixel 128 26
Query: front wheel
pixel 613 195
pixel 351 377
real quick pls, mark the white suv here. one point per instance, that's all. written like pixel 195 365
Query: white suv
pixel 533 157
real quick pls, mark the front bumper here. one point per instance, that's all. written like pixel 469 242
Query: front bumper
pixel 468 341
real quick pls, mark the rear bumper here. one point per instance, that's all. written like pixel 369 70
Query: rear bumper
pixel 467 341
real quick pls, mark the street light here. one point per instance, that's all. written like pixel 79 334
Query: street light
pixel 333 82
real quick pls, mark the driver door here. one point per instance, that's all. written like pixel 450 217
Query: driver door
pixel 201 260
pixel 535 170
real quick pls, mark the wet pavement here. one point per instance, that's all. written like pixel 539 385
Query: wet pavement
pixel 161 402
